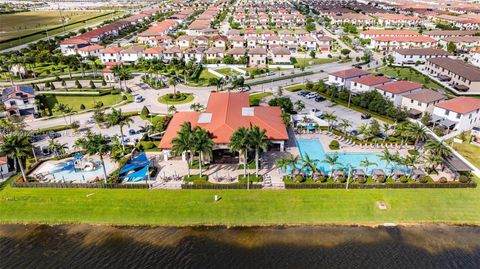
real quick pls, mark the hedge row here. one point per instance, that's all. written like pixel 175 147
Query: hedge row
pixel 382 186
pixel 279 78
pixel 235 186
pixel 79 185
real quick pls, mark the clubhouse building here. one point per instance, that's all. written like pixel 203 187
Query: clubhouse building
pixel 224 114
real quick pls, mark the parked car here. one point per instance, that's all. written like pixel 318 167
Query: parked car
pixel 138 99
pixel 270 74
pixel 366 116
pixel 319 99
pixel 53 134
pixel 311 95
pixel 132 131
pixel 36 138
pixel 302 93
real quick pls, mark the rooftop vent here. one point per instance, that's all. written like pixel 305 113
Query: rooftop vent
pixel 205 118
pixel 247 111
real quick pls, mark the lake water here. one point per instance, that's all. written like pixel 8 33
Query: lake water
pixel 83 246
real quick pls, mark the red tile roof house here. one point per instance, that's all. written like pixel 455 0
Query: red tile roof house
pixel 19 100
pixel 368 34
pixel 344 78
pixel 92 50
pixel 460 113
pixel 395 90
pixel 421 102
pixel 368 83
pixel 71 45
pixel 153 53
pixel 225 113
pixel 280 55
pixel 411 56
pixel 131 55
pixel 402 42
pixel 111 54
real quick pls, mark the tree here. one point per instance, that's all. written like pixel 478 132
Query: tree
pixel 145 112
pixel 258 141
pixel 330 118
pixel 18 147
pixel 387 157
pixel 203 144
pixel 345 52
pixel 93 60
pixel 116 119
pixel 426 118
pixel 332 160
pixel 437 148
pixel 313 54
pixel 239 142
pixel 344 124
pixel 95 144
pixel 64 109
pixel 418 132
pixel 310 164
pixel 385 129
pixel 184 143
pixel 374 127
pixel 367 163
pixel 451 47
pixel 197 107
pixel 299 105
pixel 173 82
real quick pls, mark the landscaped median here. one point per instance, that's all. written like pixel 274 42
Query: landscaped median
pixel 176 99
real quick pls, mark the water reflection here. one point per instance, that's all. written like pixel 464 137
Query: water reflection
pixel 84 246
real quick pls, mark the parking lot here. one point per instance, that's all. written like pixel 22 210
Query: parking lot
pixel 69 137
pixel 327 106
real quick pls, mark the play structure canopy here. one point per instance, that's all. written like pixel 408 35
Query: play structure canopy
pixel 136 169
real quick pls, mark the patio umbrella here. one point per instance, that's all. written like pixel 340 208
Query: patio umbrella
pixel 53 175
pixel 63 179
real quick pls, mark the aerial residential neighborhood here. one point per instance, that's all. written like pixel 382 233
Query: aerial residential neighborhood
pixel 178 96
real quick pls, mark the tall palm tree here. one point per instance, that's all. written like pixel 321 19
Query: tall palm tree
pixel 56 147
pixel 402 131
pixel 184 142
pixel 283 163
pixel 418 132
pixel 437 148
pixel 203 144
pixel 310 164
pixel 344 124
pixel 367 163
pixel 64 109
pixel 93 59
pixel 332 160
pixel 18 147
pixel 115 118
pixel 96 144
pixel 258 141
pixel 387 157
pixel 240 142
pixel 330 118
pixel 433 159
pixel 173 82
pixel 385 130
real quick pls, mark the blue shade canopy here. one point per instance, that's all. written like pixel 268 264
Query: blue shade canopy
pixel 138 162
pixel 137 176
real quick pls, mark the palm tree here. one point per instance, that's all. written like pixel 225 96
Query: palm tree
pixel 344 124
pixel 401 130
pixel 433 159
pixel 92 59
pixel 258 141
pixel 385 129
pixel 56 147
pixel 203 144
pixel 64 109
pixel 184 142
pixel 116 118
pixel 418 132
pixel 332 160
pixel 197 107
pixel 283 163
pixel 173 82
pixel 437 148
pixel 240 142
pixel 367 163
pixel 18 147
pixel 96 144
pixel 330 118
pixel 387 157
pixel 310 164
pixel 411 160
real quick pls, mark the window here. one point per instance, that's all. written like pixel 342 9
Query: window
pixel 459 115
pixel 447 112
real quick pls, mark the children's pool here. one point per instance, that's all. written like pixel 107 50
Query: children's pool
pixel 315 151
pixel 65 170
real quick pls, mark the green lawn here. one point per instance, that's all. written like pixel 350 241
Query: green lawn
pixel 228 71
pixel 164 100
pixel 410 74
pixel 238 207
pixel 255 98
pixel 146 145
pixel 304 62
pixel 76 101
pixel 469 151
pixel 207 75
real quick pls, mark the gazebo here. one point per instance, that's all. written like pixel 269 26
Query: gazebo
pixel 378 174
pixel 359 174
pixel 417 173
pixel 397 174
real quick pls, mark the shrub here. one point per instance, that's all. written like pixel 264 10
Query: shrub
pixel 149 145
pixel 362 180
pixel 92 85
pixel 404 179
pixel 381 179
pixel 443 180
pixel 82 106
pixel 464 179
pixel 104 83
pixel 322 179
pixel 423 180
pixel 124 98
pixel 341 179
pixel 299 178
pixel 145 112
pixel 334 145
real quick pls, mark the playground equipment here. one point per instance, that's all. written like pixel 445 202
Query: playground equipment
pixel 82 164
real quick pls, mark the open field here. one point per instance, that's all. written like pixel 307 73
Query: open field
pixel 469 151
pixel 76 101
pixel 24 23
pixel 304 62
pixel 238 207
pixel 40 22
pixel 411 75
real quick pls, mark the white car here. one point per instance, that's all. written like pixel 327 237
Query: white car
pixel 138 99
pixel 311 95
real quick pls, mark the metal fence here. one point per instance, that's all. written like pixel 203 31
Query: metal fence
pixel 79 185
pixel 220 186
pixel 382 186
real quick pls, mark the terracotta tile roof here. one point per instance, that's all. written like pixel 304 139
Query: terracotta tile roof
pixel 427 51
pixel 371 80
pixel 404 39
pixel 224 114
pixel 257 51
pixel 451 32
pixel 350 73
pixel 75 41
pixel 112 50
pixel 154 50
pixel 91 48
pixel 426 96
pixel 134 49
pixel 461 104
pixel 3 160
pixel 236 51
pixel 457 67
pixel 401 86
pixel 281 51
pixel 390 32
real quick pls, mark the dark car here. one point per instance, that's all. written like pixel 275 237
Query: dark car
pixel 366 116
pixel 36 138
pixel 319 99
pixel 132 131
pixel 53 134
pixel 302 93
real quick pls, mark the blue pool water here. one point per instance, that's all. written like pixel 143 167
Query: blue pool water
pixel 65 170
pixel 315 150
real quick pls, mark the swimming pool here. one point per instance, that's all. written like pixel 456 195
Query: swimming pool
pixel 315 150
pixel 65 171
